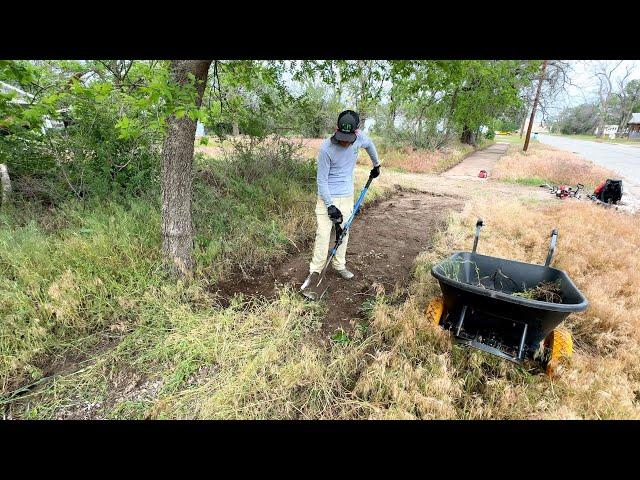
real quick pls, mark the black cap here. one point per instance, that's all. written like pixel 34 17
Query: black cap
pixel 348 122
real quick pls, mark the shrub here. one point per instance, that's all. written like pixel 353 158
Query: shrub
pixel 71 272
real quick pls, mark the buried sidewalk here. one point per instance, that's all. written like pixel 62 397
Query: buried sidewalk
pixel 481 160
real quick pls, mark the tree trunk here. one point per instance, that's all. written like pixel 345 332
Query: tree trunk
pixel 362 113
pixel 625 119
pixel 454 99
pixel 600 126
pixel 468 136
pixel 524 122
pixel 533 107
pixel 361 104
pixel 393 112
pixel 177 160
pixel 236 128
pixel 5 182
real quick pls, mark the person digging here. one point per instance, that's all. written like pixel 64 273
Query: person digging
pixel 336 160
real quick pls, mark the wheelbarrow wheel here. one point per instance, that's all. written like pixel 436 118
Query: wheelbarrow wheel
pixel 560 345
pixel 434 310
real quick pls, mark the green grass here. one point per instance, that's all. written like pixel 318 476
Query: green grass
pixel 58 286
pixel 80 276
pixel 530 181
pixel 71 277
pixel 197 360
pixel 513 138
pixel 593 138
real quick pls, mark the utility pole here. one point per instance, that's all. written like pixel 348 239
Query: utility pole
pixel 533 108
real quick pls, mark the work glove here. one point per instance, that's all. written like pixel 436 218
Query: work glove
pixel 334 214
pixel 375 171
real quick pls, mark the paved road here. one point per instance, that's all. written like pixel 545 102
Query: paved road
pixel 623 159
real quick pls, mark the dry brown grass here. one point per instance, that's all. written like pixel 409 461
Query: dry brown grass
pixel 264 361
pixel 412 160
pixel 406 159
pixel 545 164
pixel 418 373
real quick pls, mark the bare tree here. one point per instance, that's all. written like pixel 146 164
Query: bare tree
pixel 556 81
pixel 628 95
pixel 603 71
pixel 177 160
pixel 368 86
pixel 119 69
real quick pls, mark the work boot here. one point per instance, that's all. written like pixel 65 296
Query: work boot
pixel 312 279
pixel 344 273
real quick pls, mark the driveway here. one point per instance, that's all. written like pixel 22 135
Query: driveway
pixel 622 159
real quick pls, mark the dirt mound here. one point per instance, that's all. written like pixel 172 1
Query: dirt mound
pixel 383 243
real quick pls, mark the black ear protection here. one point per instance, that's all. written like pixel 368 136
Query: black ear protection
pixel 355 114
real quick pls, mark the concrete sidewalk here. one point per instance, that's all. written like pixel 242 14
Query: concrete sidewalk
pixel 480 160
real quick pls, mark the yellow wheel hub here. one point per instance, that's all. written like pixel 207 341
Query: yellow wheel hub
pixel 434 310
pixel 560 345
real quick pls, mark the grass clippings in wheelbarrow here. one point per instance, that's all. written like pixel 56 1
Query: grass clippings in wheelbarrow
pixel 499 281
pixel 544 292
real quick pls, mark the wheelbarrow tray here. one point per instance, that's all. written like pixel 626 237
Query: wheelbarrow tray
pixel 494 320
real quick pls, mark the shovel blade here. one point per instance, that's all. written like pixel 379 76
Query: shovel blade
pixel 316 290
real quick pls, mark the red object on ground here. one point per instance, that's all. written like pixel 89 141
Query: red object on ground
pixel 563 191
pixel 599 188
pixel 482 174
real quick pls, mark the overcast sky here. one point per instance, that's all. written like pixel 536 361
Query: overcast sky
pixel 585 84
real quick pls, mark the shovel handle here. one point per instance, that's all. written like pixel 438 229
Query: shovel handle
pixel 479 225
pixel 552 246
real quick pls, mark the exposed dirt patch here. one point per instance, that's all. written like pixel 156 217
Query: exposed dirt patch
pixel 383 243
pixel 58 365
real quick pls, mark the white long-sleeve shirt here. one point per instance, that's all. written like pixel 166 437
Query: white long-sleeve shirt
pixel 336 164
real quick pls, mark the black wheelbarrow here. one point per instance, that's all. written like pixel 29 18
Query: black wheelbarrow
pixel 483 305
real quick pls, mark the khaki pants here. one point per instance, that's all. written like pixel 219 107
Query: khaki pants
pixel 324 238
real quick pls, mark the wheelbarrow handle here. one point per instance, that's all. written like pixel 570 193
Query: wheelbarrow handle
pixel 552 246
pixel 479 225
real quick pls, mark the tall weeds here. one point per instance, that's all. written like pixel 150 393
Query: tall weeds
pixel 543 164
pixel 69 274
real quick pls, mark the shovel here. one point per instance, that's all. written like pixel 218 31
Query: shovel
pixel 316 290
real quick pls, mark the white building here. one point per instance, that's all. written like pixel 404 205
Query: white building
pixel 25 99
pixel 634 126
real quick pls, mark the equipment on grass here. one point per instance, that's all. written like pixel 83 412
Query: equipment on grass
pixel 564 191
pixel 482 174
pixel 609 191
pixel 315 290
pixel 483 305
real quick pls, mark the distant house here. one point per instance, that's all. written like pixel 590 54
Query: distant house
pixel 24 99
pixel 634 126
pixel 21 97
pixel 610 130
